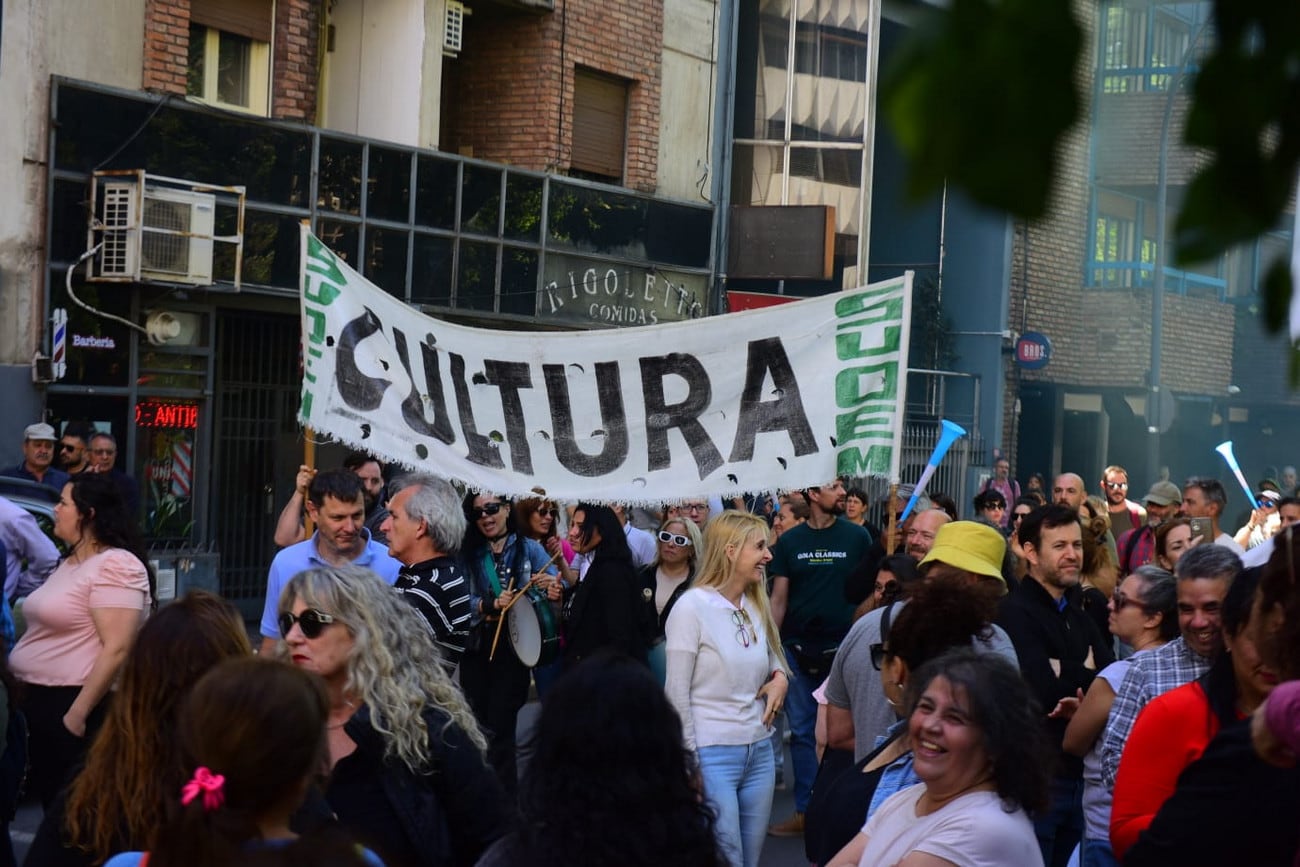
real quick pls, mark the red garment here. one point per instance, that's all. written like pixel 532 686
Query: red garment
pixel 1171 732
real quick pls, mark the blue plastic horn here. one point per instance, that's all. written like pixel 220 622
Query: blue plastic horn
pixel 1225 448
pixel 950 434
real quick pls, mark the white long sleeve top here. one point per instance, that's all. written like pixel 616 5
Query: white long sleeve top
pixel 713 678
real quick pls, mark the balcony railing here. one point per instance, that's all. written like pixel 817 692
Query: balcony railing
pixel 1133 275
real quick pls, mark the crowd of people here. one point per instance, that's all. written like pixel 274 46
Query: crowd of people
pixel 1050 676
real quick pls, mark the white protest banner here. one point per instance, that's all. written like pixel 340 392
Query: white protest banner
pixel 768 399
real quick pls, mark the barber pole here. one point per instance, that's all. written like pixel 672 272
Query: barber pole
pixel 59 352
pixel 182 472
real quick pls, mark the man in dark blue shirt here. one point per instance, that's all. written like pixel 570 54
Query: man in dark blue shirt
pixel 38 457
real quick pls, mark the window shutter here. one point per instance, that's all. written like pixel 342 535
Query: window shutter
pixel 599 124
pixel 251 18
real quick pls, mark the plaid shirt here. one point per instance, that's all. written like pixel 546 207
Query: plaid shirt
pixel 1150 674
pixel 1143 548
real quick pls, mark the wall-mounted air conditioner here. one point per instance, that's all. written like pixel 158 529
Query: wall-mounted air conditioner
pixel 158 229
pixel 163 235
pixel 453 30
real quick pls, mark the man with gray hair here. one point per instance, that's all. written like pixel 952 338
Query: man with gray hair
pixel 1204 497
pixel 425 525
pixel 1204 575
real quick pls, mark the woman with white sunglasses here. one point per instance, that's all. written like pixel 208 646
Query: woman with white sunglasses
pixel 664 580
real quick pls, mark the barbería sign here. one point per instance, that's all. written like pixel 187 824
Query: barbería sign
pixel 768 399
pixel 585 291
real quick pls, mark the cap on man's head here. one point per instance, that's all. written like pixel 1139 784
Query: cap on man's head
pixel 1274 496
pixel 1164 494
pixel 39 431
pixel 971 547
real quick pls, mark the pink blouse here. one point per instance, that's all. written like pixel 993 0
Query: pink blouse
pixel 61 643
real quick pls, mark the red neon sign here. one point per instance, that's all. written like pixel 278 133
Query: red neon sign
pixel 175 416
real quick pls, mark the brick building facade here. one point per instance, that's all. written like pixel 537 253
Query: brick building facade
pixel 1083 275
pixel 296 37
pixel 509 96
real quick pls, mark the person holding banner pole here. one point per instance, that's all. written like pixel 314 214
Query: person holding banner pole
pixel 810 568
pixel 496 685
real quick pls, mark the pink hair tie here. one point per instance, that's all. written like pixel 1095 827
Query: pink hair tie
pixel 207 784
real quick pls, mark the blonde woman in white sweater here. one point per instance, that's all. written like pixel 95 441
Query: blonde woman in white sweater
pixel 727 678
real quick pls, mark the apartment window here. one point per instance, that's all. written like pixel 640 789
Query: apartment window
pixel 1117 242
pixel 599 127
pixel 1143 45
pixel 230 53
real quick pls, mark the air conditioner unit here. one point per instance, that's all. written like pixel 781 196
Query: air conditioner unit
pixel 454 27
pixel 164 234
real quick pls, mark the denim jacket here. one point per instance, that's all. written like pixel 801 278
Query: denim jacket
pixel 524 558
pixel 896 776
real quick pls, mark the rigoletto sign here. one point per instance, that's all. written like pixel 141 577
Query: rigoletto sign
pixel 768 399
pixel 585 291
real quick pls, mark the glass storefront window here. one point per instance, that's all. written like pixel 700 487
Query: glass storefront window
pixel 480 202
pixel 166 432
pixel 523 208
pixel 435 192
pixel 340 166
pixel 388 193
pixel 453 219
pixel 431 271
pixel 518 281
pixel 477 276
pixel 386 260
pixel 340 237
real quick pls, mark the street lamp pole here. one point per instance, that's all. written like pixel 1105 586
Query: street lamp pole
pixel 1156 423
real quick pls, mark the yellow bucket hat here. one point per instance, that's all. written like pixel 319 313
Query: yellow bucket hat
pixel 970 546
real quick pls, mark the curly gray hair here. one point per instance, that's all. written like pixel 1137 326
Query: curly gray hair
pixel 393 666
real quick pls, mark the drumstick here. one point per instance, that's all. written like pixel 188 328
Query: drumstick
pixel 531 582
pixel 500 622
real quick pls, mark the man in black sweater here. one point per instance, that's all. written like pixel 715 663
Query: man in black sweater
pixel 1060 652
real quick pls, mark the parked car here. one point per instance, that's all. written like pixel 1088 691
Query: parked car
pixel 36 499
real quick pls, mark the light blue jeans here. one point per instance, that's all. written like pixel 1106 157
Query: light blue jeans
pixel 738 783
pixel 801 716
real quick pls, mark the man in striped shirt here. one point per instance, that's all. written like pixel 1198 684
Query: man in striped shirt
pixel 425 525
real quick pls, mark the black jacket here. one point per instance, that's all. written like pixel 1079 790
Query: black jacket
pixel 450 814
pixel 1230 807
pixel 1041 631
pixel 654 621
pixel 604 612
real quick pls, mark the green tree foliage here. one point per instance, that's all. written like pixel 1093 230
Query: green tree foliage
pixel 985 90
pixel 981 96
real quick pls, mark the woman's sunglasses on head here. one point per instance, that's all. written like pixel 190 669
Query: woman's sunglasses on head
pixel 679 541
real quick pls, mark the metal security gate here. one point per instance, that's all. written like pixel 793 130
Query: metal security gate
pixel 256 446
pixel 930 397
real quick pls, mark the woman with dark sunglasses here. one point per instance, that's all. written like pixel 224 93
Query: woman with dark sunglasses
pixel 664 580
pixel 539 519
pixel 500 560
pixel 1143 615
pixel 407 773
